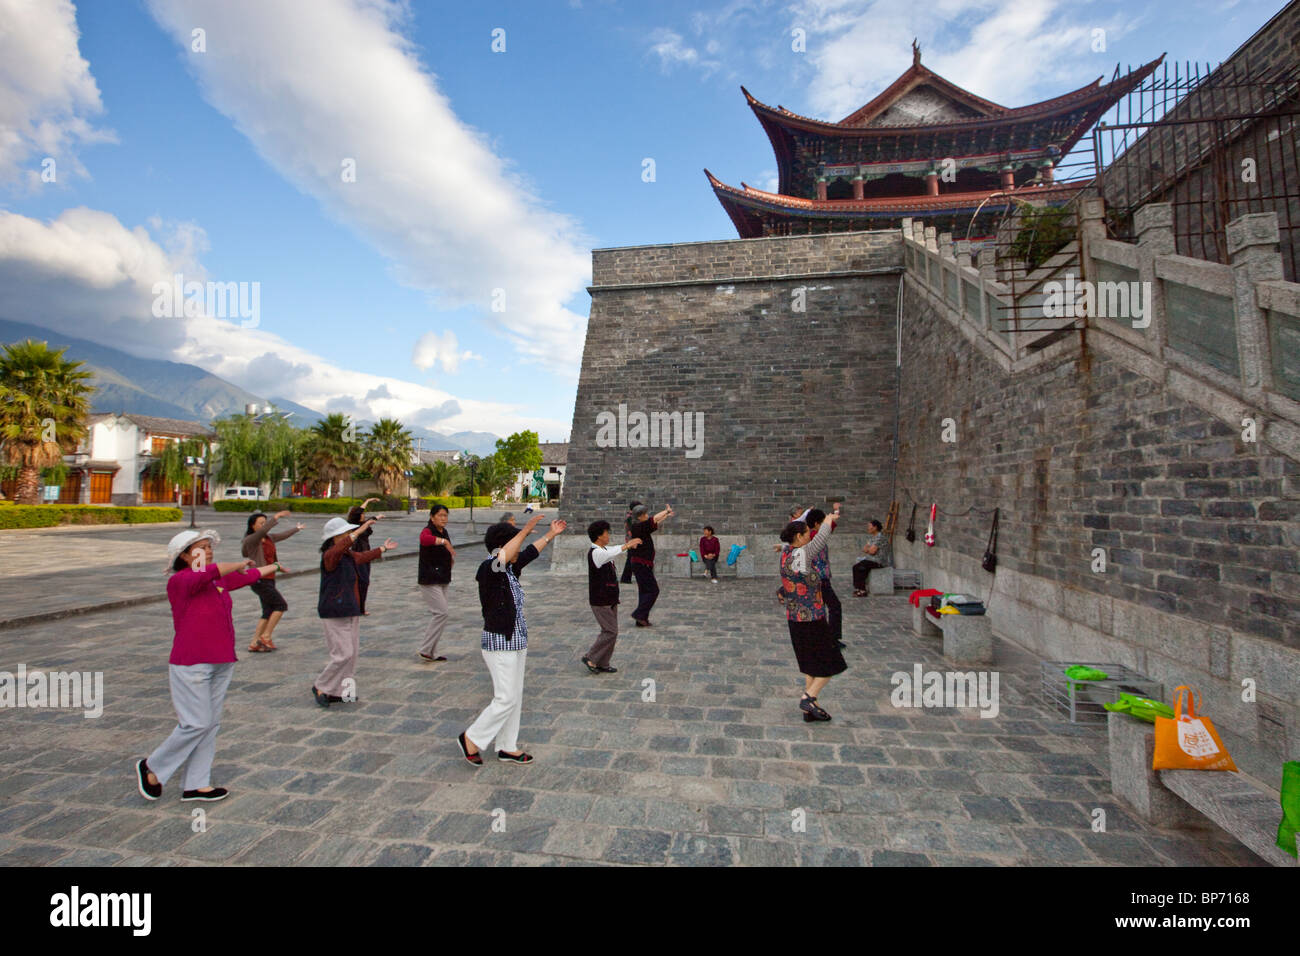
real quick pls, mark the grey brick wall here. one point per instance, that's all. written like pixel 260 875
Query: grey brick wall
pixel 1200 530
pixel 1086 454
pixel 797 406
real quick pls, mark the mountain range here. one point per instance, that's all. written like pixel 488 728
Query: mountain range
pixel 129 384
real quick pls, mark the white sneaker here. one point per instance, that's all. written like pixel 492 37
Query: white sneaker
pixel 714 580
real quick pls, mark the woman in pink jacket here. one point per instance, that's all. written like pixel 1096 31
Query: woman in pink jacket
pixel 201 663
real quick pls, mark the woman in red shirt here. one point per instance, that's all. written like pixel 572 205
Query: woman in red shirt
pixel 201 663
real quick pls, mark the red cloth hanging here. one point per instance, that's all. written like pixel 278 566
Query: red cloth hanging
pixel 915 597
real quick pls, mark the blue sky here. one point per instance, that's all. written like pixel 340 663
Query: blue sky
pixel 476 171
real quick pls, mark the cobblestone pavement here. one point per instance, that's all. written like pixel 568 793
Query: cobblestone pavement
pixel 719 768
pixel 44 571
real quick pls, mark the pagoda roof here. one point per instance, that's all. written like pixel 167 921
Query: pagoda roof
pixel 1058 123
pixel 857 123
pixel 745 204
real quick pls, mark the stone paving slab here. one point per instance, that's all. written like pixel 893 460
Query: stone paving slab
pixel 694 754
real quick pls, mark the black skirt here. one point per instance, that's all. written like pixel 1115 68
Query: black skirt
pixel 815 649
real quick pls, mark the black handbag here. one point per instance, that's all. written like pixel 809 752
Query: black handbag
pixel 911 526
pixel 990 561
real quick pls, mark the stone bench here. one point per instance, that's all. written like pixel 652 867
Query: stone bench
pixel 1186 799
pixel 684 567
pixel 967 638
pixel 880 581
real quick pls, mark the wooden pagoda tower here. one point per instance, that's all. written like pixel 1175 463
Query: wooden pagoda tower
pixel 923 147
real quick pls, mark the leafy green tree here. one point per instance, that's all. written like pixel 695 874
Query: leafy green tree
pixel 519 452
pixel 249 451
pixel 437 478
pixel 171 464
pixel 386 454
pixel 492 477
pixel 43 407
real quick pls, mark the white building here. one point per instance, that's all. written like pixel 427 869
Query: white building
pixel 555 457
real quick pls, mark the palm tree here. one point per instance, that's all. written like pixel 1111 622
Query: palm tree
pixel 386 453
pixel 43 406
pixel 492 477
pixel 437 478
pixel 330 451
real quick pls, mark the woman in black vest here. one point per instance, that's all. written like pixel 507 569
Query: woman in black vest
pixel 602 591
pixel 357 516
pixel 505 639
pixel 339 607
pixel 436 558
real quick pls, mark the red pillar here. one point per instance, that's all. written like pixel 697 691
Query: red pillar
pixel 821 189
pixel 932 183
pixel 857 189
pixel 1008 177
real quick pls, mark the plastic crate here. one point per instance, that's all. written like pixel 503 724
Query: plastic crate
pixel 1082 701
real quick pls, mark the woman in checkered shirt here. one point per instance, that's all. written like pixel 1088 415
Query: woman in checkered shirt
pixel 505 639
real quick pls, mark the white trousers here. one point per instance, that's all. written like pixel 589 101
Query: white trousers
pixel 198 694
pixel 500 719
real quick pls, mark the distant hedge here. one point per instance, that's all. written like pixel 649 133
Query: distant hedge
pixel 50 516
pixel 341 506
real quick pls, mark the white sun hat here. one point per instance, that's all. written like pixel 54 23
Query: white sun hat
pixel 336 526
pixel 178 544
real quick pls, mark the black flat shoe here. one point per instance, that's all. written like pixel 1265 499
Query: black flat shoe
pixel 475 759
pixel 811 710
pixel 641 623
pixel 520 757
pixel 216 793
pixel 150 791
pixel 590 666
pixel 322 699
pixel 608 670
pixel 340 700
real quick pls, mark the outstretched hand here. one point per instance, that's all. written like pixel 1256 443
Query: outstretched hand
pixel 283 514
pixel 558 526
pixel 532 523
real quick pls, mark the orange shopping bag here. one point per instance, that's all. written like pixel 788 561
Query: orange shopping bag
pixel 1188 742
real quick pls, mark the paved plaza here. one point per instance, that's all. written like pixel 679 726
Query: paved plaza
pixel 693 753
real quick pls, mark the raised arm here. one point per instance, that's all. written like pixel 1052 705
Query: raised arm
pixel 288 534
pixel 510 550
pixel 554 531
pixel 664 515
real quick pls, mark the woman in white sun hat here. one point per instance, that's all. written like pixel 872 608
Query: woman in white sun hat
pixel 201 663
pixel 339 606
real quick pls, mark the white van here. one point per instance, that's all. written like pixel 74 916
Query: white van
pixel 243 492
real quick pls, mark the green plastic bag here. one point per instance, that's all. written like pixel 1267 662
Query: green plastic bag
pixel 1080 672
pixel 694 557
pixel 1287 829
pixel 1143 708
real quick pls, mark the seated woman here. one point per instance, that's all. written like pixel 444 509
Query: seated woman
pixel 875 555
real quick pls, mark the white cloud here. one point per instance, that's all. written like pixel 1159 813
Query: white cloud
pixel 434 349
pixel 1010 53
pixel 47 93
pixel 313 89
pixel 87 275
pixel 673 51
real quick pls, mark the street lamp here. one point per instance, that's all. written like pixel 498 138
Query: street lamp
pixel 471 462
pixel 194 463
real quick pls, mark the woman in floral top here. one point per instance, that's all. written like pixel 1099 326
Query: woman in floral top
pixel 801 593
